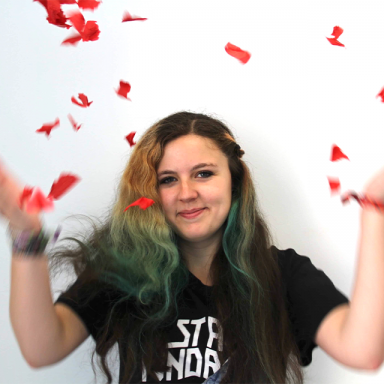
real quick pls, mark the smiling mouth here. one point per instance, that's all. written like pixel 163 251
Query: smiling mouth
pixel 191 215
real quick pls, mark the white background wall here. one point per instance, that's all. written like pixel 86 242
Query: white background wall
pixel 297 95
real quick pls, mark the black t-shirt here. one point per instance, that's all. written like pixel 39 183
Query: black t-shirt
pixel 193 339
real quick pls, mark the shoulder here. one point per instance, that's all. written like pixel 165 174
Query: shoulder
pixel 291 262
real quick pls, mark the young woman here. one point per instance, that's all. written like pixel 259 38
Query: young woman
pixel 189 285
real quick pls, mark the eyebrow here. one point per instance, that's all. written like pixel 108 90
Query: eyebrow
pixel 197 166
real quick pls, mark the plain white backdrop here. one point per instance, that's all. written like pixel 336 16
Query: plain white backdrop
pixel 296 97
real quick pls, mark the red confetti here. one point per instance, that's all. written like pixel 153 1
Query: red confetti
pixel 47 128
pixel 84 100
pixel 363 200
pixel 61 186
pixel 128 17
pixel 334 183
pixel 55 13
pixel 238 53
pixel 76 126
pixel 77 20
pixel 143 203
pixel 88 4
pixel 381 94
pixel 124 89
pixel 337 31
pixel 72 40
pixel 87 31
pixel 337 154
pixel 35 199
pixel 91 31
pixel 130 138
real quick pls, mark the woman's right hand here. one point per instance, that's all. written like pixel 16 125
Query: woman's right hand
pixel 10 192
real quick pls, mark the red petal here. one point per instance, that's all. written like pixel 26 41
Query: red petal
pixel 38 202
pixel 47 128
pixel 381 94
pixel 337 31
pixel 124 89
pixel 76 126
pixel 334 183
pixel 127 17
pixel 55 14
pixel 333 41
pixel 88 4
pixel 61 186
pixel 91 31
pixel 84 100
pixel 238 53
pixel 74 101
pixel 73 40
pixel 130 138
pixel 337 154
pixel 77 20
pixel 143 203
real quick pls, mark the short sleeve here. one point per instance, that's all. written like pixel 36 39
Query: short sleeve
pixel 92 302
pixel 311 295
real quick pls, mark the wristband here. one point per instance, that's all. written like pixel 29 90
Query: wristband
pixel 30 243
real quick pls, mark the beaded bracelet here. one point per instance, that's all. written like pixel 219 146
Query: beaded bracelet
pixel 30 243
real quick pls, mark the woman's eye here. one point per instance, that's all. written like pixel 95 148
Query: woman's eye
pixel 167 178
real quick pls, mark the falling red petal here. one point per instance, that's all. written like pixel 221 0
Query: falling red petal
pixel 128 17
pixel 381 94
pixel 91 31
pixel 143 203
pixel 334 183
pixel 88 4
pixel 337 154
pixel 76 126
pixel 47 128
pixel 124 89
pixel 130 138
pixel 37 202
pixel 337 31
pixel 84 100
pixel 55 14
pixel 73 40
pixel 61 186
pixel 238 53
pixel 334 41
pixel 77 20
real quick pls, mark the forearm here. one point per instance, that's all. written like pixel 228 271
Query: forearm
pixel 35 323
pixel 363 329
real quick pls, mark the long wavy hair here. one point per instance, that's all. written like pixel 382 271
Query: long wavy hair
pixel 136 253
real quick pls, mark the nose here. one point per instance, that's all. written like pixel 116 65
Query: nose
pixel 187 190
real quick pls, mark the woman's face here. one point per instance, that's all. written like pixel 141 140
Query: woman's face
pixel 207 187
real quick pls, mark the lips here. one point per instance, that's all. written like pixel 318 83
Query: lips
pixel 193 214
pixel 190 212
